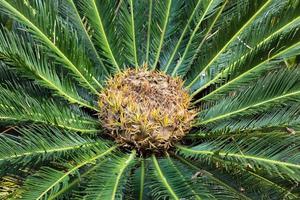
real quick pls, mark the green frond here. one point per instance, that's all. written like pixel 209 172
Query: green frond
pixel 251 12
pixel 247 151
pixel 31 63
pixel 267 186
pixel 192 47
pixel 172 180
pixel 161 182
pixel 108 181
pixel 10 78
pixel 75 182
pixel 286 117
pixel 136 188
pixel 272 90
pixel 163 9
pixel 247 69
pixel 48 181
pixel 220 188
pixel 44 28
pixel 266 32
pixel 185 30
pixel 238 183
pixel 126 21
pixel 101 21
pixel 165 18
pixel 7 74
pixel 34 144
pixel 140 16
pixel 69 10
pixel 18 107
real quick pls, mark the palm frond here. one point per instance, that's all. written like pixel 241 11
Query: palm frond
pixel 101 21
pixel 44 28
pixel 170 181
pixel 109 179
pixel 280 159
pixel 245 71
pixel 275 89
pixel 126 21
pixel 192 47
pixel 7 74
pixel 287 19
pixel 215 184
pixel 18 107
pixel 267 186
pixel 48 180
pixel 185 30
pixel 69 10
pixel 10 77
pixel 28 59
pixel 238 60
pixel 251 11
pixel 74 184
pixel 286 117
pixel 34 144
pixel 239 182
pixel 162 10
pixel 139 180
pixel 164 20
pixel 141 15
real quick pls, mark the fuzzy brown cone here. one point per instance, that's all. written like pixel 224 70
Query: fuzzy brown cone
pixel 146 110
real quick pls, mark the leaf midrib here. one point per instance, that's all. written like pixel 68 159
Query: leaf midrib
pixel 124 165
pixel 142 180
pixel 250 157
pixel 163 178
pixel 66 148
pixel 105 36
pixel 48 122
pixel 162 34
pixel 250 106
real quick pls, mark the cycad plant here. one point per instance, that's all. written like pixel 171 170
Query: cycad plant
pixel 149 99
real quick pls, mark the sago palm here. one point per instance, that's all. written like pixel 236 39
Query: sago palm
pixel 150 99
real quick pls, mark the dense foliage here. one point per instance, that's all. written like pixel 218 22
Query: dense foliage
pixel 239 62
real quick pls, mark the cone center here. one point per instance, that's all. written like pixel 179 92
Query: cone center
pixel 145 110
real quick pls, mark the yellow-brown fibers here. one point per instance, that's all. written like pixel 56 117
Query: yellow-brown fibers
pixel 146 110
